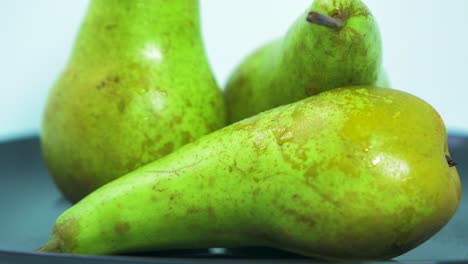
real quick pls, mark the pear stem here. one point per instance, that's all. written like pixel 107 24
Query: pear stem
pixel 53 246
pixel 450 161
pixel 324 20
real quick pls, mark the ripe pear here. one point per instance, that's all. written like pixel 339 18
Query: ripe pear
pixel 137 87
pixel 351 173
pixel 333 44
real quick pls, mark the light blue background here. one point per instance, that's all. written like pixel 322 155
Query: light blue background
pixel 425 44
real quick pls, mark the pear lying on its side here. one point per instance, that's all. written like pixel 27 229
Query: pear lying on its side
pixel 352 173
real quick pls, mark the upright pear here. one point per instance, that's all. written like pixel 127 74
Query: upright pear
pixel 137 87
pixel 333 44
pixel 351 173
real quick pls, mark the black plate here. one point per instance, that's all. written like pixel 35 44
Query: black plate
pixel 30 203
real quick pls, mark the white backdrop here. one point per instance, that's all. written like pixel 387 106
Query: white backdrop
pixel 425 45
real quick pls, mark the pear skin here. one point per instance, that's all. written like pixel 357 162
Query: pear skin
pixel 352 173
pixel 333 44
pixel 137 87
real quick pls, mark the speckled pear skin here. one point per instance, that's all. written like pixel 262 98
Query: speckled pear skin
pixel 351 173
pixel 309 59
pixel 137 87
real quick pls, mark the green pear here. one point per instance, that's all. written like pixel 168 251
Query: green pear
pixel 335 43
pixel 137 87
pixel 351 173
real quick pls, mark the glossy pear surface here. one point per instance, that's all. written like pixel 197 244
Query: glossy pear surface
pixel 352 173
pixel 137 87
pixel 341 47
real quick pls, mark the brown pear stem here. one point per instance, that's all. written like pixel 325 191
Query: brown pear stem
pixel 51 246
pixel 324 20
pixel 450 161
